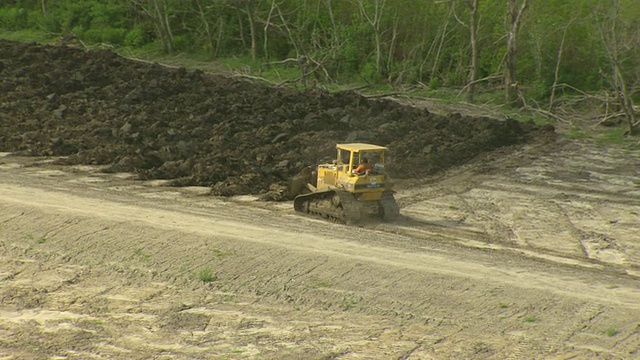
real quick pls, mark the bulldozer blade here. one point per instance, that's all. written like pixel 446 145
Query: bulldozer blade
pixel 300 181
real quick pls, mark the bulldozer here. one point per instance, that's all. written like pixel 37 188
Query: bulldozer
pixel 350 190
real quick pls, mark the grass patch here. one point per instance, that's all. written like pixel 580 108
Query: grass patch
pixel 27 36
pixel 614 136
pixel 576 134
pixel 531 319
pixel 611 332
pixel 316 283
pixel 37 240
pixel 220 253
pixel 141 254
pixel 503 305
pixel 206 275
pixel 349 303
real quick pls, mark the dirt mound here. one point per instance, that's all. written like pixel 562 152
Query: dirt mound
pixel 238 137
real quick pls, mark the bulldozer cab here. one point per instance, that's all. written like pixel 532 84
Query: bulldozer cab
pixel 351 155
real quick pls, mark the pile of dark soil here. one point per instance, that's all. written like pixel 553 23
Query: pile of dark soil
pixel 237 136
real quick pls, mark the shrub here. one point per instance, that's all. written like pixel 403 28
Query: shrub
pixel 92 36
pixel 182 42
pixel 137 38
pixel 370 72
pixel 114 36
pixel 13 19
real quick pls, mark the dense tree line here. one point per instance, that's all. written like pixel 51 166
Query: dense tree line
pixel 533 47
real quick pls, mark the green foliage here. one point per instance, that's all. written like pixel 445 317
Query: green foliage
pixel 75 14
pixel 434 83
pixel 106 16
pixel 137 37
pixel 92 36
pixel 114 36
pixel 13 18
pixel 47 23
pixel 370 72
pixel 183 42
pixel 420 40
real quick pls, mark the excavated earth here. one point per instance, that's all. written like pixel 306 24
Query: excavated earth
pixel 236 136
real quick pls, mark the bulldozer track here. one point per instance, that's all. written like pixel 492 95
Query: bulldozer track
pixel 334 205
pixel 346 209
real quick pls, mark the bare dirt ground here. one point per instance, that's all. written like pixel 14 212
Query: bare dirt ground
pixel 531 255
pixel 512 244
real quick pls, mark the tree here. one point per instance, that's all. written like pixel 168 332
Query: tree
pixel 514 18
pixel 616 37
pixel 158 12
pixel 374 20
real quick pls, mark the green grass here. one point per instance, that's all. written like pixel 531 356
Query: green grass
pixel 503 305
pixel 37 240
pixel 29 36
pixel 577 134
pixel 316 283
pixel 349 303
pixel 141 254
pixel 206 275
pixel 614 136
pixel 611 332
pixel 530 319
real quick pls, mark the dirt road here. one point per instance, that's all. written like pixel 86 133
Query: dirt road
pixel 531 255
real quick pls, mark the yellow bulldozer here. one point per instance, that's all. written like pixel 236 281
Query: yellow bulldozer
pixel 353 188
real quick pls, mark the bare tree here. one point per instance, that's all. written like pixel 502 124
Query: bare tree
pixel 473 41
pixel 473 44
pixel 158 12
pixel 205 23
pixel 611 34
pixel 556 73
pixel 374 20
pixel 514 18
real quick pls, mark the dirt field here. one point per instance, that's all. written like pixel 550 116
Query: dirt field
pixel 512 244
pixel 533 255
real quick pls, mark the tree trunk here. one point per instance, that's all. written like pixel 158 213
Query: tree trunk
pixel 207 27
pixel 612 40
pixel 510 79
pixel 335 40
pixel 473 40
pixel 557 70
pixel 252 31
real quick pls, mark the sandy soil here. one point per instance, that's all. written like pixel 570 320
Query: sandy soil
pixel 530 255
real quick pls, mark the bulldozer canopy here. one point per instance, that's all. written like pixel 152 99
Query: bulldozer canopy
pixel 358 147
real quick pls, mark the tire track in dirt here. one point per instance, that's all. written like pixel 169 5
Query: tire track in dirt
pixel 189 222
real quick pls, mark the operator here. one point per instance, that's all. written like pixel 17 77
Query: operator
pixel 363 167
